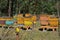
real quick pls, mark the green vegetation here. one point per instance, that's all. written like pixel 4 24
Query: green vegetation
pixel 28 6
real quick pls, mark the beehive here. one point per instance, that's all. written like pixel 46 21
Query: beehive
pixel 53 21
pixel 45 26
pixel 44 17
pixel 27 23
pixel 19 18
pixel 27 19
pixel 20 21
pixel 9 22
pixel 2 22
pixel 44 22
pixel 27 15
pixel 6 18
pixel 2 18
pixel 34 18
pixel 20 15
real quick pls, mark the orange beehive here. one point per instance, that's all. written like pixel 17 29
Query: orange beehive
pixel 34 18
pixel 45 26
pixel 20 20
pixel 2 18
pixel 53 21
pixel 27 19
pixel 44 22
pixel 20 15
pixel 6 18
pixel 53 18
pixel 44 17
pixel 27 15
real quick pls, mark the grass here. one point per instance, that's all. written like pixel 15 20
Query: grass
pixel 9 34
pixel 30 35
pixel 38 35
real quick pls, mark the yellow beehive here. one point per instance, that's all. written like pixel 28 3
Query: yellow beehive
pixel 28 23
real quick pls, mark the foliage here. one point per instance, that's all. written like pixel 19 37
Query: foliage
pixel 29 6
pixel 3 6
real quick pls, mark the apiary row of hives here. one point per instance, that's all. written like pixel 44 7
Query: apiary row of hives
pixel 48 22
pixel 28 20
pixel 19 19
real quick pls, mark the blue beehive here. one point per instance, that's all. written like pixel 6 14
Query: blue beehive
pixel 9 22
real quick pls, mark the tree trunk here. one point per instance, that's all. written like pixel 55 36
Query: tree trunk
pixel 9 9
pixel 58 8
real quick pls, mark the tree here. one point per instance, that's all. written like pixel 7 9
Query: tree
pixel 30 6
pixel 3 7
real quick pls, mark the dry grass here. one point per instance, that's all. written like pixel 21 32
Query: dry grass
pixel 9 34
pixel 28 35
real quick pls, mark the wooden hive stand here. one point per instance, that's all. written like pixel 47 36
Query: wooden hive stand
pixel 48 28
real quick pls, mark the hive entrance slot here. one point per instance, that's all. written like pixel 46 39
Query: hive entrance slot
pixel 55 29
pixel 23 28
pixel 41 29
pixel 45 29
pixel 6 27
pixel 50 30
pixel 43 25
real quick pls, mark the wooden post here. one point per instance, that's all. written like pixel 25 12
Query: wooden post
pixel 17 37
pixel 53 29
